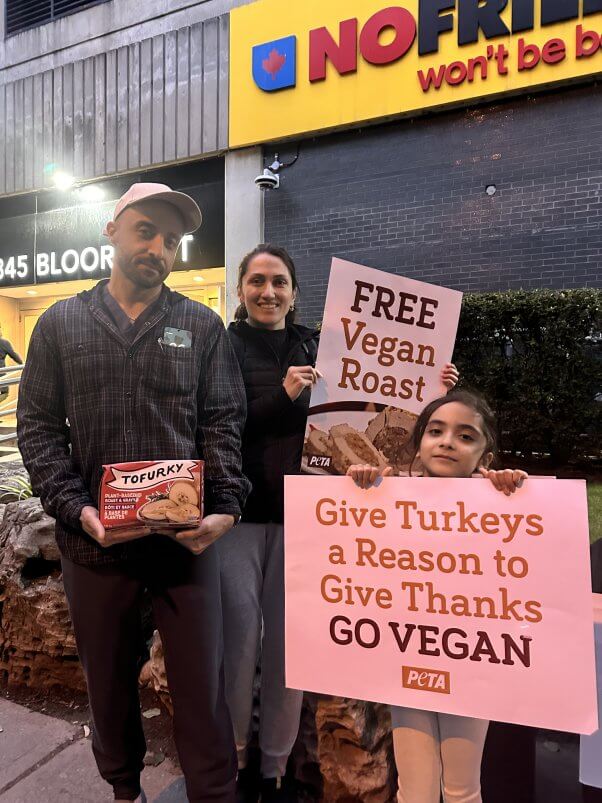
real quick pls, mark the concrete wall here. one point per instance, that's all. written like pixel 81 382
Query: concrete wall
pixel 107 26
pixel 150 102
pixel 126 86
pixel 244 216
pixel 410 197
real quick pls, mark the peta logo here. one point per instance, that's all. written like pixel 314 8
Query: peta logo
pixel 319 462
pixel 275 64
pixel 414 677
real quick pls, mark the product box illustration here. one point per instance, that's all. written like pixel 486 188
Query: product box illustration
pixel 160 494
pixel 385 340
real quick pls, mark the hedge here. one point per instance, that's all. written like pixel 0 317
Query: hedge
pixel 537 357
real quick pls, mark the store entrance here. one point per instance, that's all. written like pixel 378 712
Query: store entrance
pixel 20 308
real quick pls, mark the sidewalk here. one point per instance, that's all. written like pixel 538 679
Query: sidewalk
pixel 43 758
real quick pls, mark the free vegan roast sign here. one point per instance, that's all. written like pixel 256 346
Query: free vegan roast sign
pixel 335 64
pixel 385 340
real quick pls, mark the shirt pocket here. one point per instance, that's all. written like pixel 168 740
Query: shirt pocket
pixel 90 367
pixel 172 371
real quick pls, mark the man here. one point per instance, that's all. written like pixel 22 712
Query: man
pixel 102 386
pixel 6 350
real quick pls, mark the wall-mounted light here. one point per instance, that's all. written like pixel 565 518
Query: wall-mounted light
pixel 32 292
pixel 198 279
pixel 62 180
pixel 491 190
pixel 91 193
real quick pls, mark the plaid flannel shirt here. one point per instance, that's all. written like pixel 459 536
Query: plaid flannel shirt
pixel 90 396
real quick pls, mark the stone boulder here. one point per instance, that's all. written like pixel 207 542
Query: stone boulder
pixel 344 752
pixel 37 646
pixel 355 751
pixel 153 676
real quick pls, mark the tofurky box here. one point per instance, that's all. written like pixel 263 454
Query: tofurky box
pixel 159 494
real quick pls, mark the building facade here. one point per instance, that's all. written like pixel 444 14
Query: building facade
pixel 412 197
pixel 458 149
pixel 94 96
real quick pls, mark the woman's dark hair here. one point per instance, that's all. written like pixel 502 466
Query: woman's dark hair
pixel 241 313
pixel 469 399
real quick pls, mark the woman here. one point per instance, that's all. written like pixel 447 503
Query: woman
pixel 277 359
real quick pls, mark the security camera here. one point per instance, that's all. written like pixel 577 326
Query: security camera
pixel 268 180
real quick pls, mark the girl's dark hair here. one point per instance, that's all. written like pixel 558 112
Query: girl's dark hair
pixel 469 399
pixel 241 313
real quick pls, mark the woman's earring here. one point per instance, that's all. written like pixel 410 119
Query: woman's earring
pixel 292 307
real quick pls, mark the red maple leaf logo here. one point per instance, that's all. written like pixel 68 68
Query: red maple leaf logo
pixel 274 63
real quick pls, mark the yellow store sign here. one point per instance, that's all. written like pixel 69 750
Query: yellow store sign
pixel 314 65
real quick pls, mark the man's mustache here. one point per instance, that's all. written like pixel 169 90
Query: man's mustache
pixel 152 263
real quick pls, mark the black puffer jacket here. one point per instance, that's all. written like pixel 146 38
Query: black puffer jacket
pixel 273 437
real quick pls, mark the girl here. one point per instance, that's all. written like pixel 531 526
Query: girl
pixel 454 437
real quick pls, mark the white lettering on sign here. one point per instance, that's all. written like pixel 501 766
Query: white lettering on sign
pixel 187 238
pixel 69 263
pixel 9 270
pixel 42 264
pixel 106 257
pixel 90 260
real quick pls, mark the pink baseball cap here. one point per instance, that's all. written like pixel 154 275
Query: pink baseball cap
pixel 186 206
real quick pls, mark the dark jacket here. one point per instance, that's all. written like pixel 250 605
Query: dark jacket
pixel 89 396
pixel 273 436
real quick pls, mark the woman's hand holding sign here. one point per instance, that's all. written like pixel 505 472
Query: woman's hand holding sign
pixel 299 377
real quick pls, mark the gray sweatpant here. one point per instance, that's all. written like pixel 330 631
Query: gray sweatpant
pixel 252 579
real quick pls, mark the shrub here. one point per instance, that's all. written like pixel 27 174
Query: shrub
pixel 537 356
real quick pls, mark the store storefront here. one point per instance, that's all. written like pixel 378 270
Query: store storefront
pixel 59 250
pixel 455 143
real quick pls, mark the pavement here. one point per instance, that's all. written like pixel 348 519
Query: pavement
pixel 48 759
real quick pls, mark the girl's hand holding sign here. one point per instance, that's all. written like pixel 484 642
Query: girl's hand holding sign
pixel 366 476
pixel 450 375
pixel 506 480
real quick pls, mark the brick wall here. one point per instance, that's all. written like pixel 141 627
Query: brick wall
pixel 410 197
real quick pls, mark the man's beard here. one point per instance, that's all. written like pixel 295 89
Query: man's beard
pixel 141 274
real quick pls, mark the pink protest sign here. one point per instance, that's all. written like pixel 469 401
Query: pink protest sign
pixel 384 341
pixel 445 595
